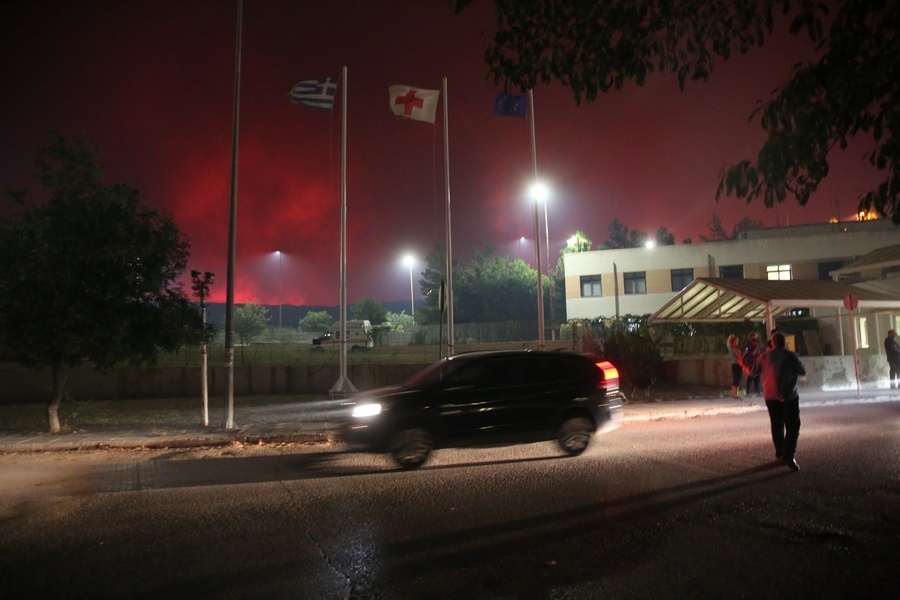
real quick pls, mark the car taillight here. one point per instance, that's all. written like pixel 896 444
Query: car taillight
pixel 610 375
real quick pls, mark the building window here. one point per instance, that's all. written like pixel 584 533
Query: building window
pixel 681 278
pixel 862 333
pixel 636 282
pixel 892 271
pixel 827 267
pixel 778 272
pixel 590 286
pixel 731 271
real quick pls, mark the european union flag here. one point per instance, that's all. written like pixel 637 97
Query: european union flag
pixel 510 106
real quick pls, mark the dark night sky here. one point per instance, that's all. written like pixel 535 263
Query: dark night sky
pixel 150 83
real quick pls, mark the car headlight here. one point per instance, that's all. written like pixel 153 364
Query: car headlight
pixel 366 410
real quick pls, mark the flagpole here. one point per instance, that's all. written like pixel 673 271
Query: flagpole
pixel 537 228
pixel 343 386
pixel 232 231
pixel 450 334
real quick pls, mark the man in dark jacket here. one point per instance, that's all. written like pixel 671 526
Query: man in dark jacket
pixel 780 368
pixel 892 350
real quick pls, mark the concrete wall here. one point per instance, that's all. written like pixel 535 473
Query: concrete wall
pixel 822 372
pixel 18 384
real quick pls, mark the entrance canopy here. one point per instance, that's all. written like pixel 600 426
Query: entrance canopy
pixel 711 300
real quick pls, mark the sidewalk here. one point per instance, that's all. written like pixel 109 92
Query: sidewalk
pixel 318 428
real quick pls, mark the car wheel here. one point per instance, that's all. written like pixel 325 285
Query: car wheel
pixel 575 435
pixel 410 448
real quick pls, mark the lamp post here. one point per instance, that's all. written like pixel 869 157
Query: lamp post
pixel 280 282
pixel 546 195
pixel 201 287
pixel 409 261
pixel 539 192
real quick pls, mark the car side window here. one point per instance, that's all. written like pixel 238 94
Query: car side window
pixel 557 368
pixel 497 372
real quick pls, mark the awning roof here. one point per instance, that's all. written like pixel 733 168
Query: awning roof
pixel 711 299
pixel 876 259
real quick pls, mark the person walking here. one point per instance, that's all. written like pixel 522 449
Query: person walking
pixel 892 350
pixel 780 368
pixel 737 365
pixel 750 354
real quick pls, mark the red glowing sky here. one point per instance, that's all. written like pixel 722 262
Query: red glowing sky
pixel 150 83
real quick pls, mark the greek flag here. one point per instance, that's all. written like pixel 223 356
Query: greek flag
pixel 315 93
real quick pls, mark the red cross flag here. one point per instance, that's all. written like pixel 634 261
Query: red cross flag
pixel 414 103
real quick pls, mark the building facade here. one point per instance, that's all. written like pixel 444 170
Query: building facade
pixel 639 281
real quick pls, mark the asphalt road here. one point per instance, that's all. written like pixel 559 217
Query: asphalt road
pixel 694 508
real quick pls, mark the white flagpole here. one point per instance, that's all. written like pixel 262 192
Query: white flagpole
pixel 343 385
pixel 450 338
pixel 232 231
pixel 537 228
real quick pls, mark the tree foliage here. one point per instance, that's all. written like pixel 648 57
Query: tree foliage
pixel 90 274
pixel 316 321
pixel 717 230
pixel 370 310
pixel 852 88
pixel 399 321
pixel 622 237
pixel 487 287
pixel 664 237
pixel 580 242
pixel 250 321
pixel 433 277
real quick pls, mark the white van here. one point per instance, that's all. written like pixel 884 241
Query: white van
pixel 359 336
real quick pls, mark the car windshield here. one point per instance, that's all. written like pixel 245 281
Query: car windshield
pixel 433 374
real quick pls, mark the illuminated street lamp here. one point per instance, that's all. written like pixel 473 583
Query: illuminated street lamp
pixel 201 287
pixel 409 261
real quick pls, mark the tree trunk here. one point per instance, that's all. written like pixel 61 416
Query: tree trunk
pixel 59 373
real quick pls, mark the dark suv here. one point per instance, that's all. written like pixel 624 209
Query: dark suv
pixel 488 398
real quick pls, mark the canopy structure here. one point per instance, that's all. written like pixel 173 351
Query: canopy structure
pixel 712 299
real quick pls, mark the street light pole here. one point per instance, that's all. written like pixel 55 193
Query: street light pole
pixel 280 284
pixel 549 267
pixel 201 286
pixel 409 261
pixel 536 191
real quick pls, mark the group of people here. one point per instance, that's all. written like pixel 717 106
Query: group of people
pixel 777 369
pixel 741 357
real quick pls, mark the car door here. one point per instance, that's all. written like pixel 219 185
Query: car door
pixel 488 400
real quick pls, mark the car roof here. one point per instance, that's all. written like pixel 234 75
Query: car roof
pixel 476 354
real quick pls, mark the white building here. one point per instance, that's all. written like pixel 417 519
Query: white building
pixel 640 281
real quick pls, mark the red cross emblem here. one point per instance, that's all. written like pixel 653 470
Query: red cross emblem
pixel 409 102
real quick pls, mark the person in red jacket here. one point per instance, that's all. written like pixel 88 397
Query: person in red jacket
pixel 780 368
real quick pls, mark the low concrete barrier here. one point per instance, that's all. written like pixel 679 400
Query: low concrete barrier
pixel 18 384
pixel 822 372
